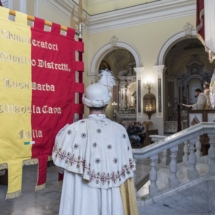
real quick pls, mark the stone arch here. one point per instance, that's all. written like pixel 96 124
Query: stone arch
pixel 171 42
pixel 106 49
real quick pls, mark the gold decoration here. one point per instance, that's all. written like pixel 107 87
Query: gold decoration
pixel 13 195
pixel 25 163
pixel 3 166
pixel 40 187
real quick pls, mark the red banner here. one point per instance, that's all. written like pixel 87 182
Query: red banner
pixel 200 18
pixel 55 81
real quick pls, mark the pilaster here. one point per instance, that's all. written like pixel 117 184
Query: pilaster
pixel 160 69
pixel 139 104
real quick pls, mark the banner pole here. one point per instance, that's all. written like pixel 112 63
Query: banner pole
pixel 31 18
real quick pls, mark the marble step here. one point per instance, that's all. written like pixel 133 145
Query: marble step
pixel 196 200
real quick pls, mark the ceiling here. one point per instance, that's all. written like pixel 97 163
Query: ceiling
pixel 94 7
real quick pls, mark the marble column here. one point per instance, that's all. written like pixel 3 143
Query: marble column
pixel 192 172
pixel 186 151
pixel 211 155
pixel 153 188
pixel 139 81
pixel 173 181
pixel 198 149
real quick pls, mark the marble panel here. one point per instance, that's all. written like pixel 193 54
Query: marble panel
pixel 211 194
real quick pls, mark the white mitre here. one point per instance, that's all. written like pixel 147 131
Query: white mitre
pixel 99 95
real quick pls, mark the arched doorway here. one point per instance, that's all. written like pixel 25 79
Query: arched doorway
pixel 99 56
pixel 122 63
pixel 187 68
pixel 124 68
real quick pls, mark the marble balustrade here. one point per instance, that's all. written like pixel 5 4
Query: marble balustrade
pixel 189 138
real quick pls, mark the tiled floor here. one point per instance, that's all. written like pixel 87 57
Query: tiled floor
pixel 45 201
pixel 42 202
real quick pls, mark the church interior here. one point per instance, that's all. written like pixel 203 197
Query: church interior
pixel 158 58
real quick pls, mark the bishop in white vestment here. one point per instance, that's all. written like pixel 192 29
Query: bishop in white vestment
pixel 96 157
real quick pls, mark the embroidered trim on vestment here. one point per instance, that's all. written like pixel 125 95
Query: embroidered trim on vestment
pixel 103 177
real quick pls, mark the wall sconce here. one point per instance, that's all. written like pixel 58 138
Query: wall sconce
pixel 149 101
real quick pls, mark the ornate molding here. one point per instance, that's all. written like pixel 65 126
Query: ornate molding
pixel 170 78
pixel 139 70
pixel 140 14
pixel 160 68
pixel 188 29
pixel 113 41
pixel 170 42
pixel 106 49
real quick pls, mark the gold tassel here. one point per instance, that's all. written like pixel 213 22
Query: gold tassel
pixel 3 166
pixel 13 195
pixel 40 187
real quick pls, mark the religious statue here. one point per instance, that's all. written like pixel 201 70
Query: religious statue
pixel 212 91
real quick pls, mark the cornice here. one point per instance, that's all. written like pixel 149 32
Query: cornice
pixel 136 15
pixel 142 14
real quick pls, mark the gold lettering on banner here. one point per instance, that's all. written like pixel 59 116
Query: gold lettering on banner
pixel 32 62
pixel 52 65
pixel 15 109
pixel 25 40
pixel 30 134
pixel 24 85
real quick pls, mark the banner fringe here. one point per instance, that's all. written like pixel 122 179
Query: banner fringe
pixel 13 195
pixel 40 187
pixel 30 162
pixel 25 162
pixel 3 166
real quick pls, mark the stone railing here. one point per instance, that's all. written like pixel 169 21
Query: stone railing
pixel 192 152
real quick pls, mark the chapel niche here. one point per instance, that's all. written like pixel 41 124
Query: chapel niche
pixel 188 68
pixel 122 63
